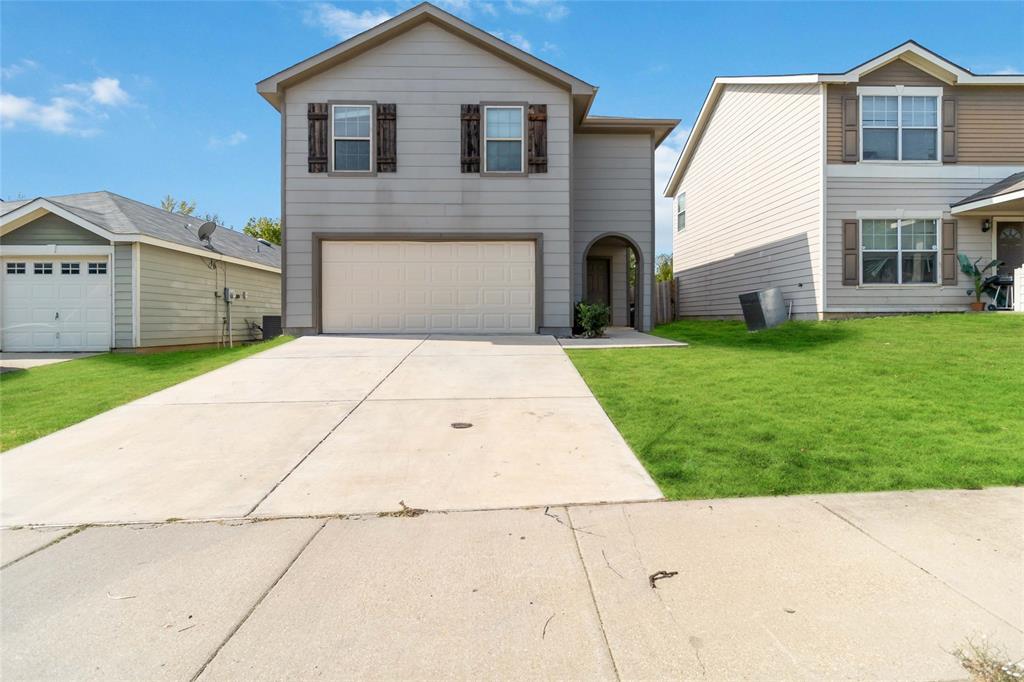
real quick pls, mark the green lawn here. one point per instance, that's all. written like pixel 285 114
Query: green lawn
pixel 44 399
pixel 870 404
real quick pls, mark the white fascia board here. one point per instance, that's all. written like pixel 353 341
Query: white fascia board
pixel 771 80
pixel 989 201
pixel 55 250
pixel 39 207
pixel 909 169
pixel 908 90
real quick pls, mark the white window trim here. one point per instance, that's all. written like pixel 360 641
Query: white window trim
pixel 521 139
pixel 899 92
pixel 70 265
pixel 681 212
pixel 899 216
pixel 371 108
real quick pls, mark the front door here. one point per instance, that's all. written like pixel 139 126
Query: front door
pixel 1010 245
pixel 599 281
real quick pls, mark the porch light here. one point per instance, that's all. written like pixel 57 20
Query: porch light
pixel 986 225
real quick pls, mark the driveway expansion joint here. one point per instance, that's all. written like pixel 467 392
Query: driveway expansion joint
pixel 335 427
pixel 60 538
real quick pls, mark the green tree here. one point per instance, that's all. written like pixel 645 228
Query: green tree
pixel 264 228
pixel 183 207
pixel 663 268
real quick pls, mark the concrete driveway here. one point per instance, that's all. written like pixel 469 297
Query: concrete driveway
pixel 337 425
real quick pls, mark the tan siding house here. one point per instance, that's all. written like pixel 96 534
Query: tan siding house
pixel 872 183
pixel 437 179
pixel 98 271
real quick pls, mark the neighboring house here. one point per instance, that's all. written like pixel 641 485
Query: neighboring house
pixel 853 192
pixel 438 179
pixel 97 271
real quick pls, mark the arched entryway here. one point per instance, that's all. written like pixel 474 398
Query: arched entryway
pixel 613 274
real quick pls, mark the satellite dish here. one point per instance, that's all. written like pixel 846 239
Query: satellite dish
pixel 206 230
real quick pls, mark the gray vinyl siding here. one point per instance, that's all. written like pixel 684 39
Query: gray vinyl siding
pixel 846 196
pixel 429 73
pixel 613 192
pixel 122 283
pixel 52 229
pixel 753 203
pixel 179 303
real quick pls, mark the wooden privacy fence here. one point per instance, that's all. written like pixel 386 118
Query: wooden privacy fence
pixel 664 308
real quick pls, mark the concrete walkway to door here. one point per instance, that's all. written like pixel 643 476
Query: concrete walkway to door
pixel 337 425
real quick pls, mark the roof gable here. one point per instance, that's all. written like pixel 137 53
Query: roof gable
pixel 272 87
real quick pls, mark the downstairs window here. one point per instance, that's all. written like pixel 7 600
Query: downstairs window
pixel 899 251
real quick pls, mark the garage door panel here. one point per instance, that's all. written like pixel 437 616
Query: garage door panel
pixel 59 311
pixel 401 286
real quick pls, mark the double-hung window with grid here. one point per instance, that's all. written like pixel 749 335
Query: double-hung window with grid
pixel 899 251
pixel 899 127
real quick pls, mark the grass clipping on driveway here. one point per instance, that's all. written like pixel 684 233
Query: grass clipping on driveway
pixel 869 404
pixel 45 399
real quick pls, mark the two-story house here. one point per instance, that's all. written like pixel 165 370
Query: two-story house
pixel 437 179
pixel 853 192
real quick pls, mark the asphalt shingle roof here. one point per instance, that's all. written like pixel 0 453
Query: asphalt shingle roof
pixel 122 215
pixel 1009 184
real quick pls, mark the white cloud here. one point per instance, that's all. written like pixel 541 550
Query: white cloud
pixel 233 140
pixel 59 116
pixel 1007 71
pixel 342 23
pixel 665 158
pixel 550 48
pixel 552 10
pixel 516 39
pixel 74 113
pixel 17 68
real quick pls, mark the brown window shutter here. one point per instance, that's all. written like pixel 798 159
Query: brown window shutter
pixel 470 138
pixel 949 135
pixel 537 135
pixel 318 133
pixel 950 263
pixel 387 143
pixel 851 260
pixel 851 133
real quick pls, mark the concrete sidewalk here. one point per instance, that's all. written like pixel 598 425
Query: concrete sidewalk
pixel 871 586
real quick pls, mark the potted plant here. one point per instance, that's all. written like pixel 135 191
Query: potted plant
pixel 982 283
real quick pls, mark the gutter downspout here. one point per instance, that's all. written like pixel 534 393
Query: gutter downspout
pixel 823 235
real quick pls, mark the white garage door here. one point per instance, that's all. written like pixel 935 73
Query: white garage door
pixel 56 304
pixel 405 286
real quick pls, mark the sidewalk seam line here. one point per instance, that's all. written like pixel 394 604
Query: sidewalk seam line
pixel 74 531
pixel 915 564
pixel 252 609
pixel 593 597
pixel 335 427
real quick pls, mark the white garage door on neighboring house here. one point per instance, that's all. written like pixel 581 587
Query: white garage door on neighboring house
pixel 447 287
pixel 56 303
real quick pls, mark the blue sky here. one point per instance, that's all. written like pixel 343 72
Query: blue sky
pixel 148 98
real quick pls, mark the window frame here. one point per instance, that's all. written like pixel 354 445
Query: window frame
pixel 42 267
pixel 70 267
pixel 19 268
pixel 372 170
pixel 96 267
pixel 899 92
pixel 899 251
pixel 522 106
pixel 681 212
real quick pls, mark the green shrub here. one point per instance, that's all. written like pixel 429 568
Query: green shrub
pixel 592 318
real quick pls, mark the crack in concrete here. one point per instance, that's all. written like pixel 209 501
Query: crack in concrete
pixel 914 563
pixel 245 617
pixel 51 543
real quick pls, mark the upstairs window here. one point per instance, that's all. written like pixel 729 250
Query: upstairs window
pixel 681 212
pixel 899 251
pixel 351 137
pixel 899 127
pixel 503 139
